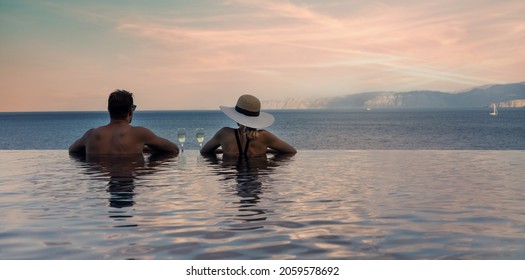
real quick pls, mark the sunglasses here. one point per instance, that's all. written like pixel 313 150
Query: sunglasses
pixel 133 107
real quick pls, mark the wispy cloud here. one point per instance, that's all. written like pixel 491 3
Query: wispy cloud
pixel 302 48
pixel 419 40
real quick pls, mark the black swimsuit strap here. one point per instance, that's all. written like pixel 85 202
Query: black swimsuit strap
pixel 239 147
pixel 246 148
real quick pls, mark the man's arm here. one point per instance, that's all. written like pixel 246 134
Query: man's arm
pixel 79 146
pixel 156 143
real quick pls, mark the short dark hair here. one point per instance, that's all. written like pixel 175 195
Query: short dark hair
pixel 119 104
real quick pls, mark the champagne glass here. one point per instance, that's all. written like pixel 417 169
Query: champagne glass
pixel 181 134
pixel 200 136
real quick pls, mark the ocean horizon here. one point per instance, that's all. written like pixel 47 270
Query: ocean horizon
pixel 379 184
pixel 382 129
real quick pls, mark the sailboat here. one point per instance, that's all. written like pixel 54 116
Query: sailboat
pixel 495 112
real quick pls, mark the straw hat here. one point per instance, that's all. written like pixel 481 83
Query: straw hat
pixel 248 112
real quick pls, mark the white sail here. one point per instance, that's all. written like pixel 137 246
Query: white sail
pixel 495 112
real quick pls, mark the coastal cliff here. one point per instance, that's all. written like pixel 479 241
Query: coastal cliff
pixel 504 96
pixel 512 104
pixel 296 103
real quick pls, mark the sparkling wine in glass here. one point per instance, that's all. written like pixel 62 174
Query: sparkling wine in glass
pixel 181 134
pixel 200 136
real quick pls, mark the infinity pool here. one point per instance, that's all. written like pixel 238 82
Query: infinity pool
pixel 314 205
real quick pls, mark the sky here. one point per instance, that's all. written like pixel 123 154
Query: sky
pixel 63 55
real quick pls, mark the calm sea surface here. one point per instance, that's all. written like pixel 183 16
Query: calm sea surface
pixel 312 130
pixel 438 184
pixel 323 204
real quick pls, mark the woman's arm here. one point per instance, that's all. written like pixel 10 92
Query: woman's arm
pixel 211 147
pixel 277 145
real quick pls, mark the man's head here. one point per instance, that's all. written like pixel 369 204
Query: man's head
pixel 120 104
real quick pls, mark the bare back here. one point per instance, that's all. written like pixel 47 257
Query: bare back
pixel 121 139
pixel 114 139
pixel 226 139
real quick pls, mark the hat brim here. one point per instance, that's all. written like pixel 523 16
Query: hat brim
pixel 263 120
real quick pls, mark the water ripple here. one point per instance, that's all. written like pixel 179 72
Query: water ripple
pixel 315 205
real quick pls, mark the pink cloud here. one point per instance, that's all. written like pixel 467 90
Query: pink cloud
pixel 283 48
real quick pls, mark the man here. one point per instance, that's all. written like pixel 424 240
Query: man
pixel 119 137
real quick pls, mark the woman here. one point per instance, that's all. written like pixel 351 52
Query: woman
pixel 247 140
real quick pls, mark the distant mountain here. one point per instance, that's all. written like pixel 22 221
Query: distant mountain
pixel 520 103
pixel 505 95
pixel 296 103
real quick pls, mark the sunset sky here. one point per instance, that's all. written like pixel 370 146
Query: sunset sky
pixel 175 55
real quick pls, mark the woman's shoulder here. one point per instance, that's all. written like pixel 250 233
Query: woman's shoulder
pixel 265 133
pixel 226 130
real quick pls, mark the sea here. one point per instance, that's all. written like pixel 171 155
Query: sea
pixel 437 129
pixel 364 185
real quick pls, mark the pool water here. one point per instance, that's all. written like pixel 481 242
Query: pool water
pixel 326 204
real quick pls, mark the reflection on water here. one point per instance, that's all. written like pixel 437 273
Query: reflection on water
pixel 121 172
pixel 316 205
pixel 247 175
pixel 121 191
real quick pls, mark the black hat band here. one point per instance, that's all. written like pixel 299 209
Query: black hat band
pixel 246 112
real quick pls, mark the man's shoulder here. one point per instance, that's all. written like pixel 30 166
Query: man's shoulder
pixel 142 131
pixel 91 131
pixel 100 128
pixel 139 128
